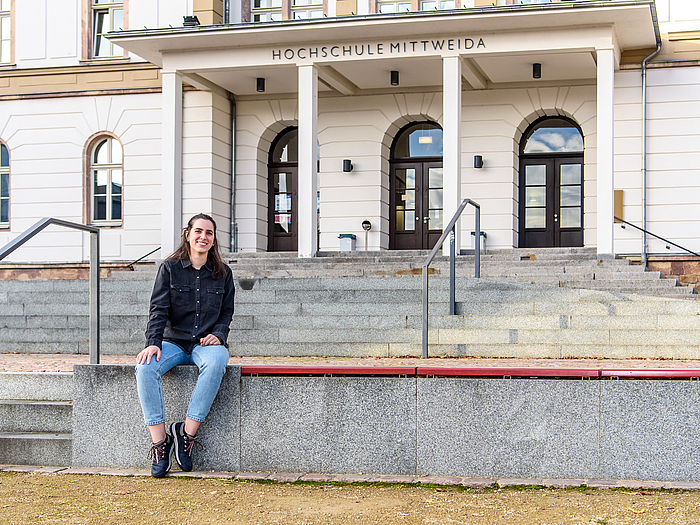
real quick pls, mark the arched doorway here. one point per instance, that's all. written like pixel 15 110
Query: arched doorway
pixel 282 193
pixel 415 196
pixel 551 184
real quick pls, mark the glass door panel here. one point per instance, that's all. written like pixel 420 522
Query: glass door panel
pixel 405 199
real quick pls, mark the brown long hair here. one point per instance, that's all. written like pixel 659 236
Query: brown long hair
pixel 213 256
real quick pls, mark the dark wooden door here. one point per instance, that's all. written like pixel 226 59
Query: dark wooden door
pixel 416 202
pixel 551 202
pixel 282 209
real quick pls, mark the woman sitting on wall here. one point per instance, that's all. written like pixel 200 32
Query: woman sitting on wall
pixel 190 312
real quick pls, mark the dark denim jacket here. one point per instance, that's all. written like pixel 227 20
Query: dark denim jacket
pixel 188 304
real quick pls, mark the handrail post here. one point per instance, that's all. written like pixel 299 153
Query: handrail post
pixel 449 230
pixel 94 298
pixel 452 271
pixel 425 311
pixel 477 242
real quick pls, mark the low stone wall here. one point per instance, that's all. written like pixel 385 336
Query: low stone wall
pixel 462 426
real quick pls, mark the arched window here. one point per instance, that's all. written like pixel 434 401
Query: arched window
pixel 106 175
pixel 4 186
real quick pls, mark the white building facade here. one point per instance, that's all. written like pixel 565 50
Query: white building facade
pixel 295 123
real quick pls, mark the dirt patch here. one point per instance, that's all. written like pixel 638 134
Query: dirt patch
pixel 39 498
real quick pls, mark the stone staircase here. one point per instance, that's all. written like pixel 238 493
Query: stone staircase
pixel 529 303
pixel 36 418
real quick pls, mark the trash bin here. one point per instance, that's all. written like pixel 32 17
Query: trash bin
pixel 482 245
pixel 347 242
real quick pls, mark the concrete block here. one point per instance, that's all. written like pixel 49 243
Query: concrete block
pixel 35 416
pixel 508 428
pixel 106 400
pixel 335 425
pixel 36 385
pixel 649 430
pixel 35 448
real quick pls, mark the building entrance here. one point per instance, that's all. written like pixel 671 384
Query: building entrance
pixel 416 191
pixel 282 193
pixel 551 185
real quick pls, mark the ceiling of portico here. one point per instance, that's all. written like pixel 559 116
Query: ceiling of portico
pixel 222 55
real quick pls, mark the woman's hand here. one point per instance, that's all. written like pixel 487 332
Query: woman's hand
pixel 209 340
pixel 145 355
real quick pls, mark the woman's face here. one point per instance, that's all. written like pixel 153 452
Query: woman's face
pixel 201 236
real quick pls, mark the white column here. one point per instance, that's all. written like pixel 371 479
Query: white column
pixel 605 151
pixel 308 153
pixel 451 143
pixel 171 164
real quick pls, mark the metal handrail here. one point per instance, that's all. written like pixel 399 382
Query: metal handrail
pixel 617 219
pixel 132 263
pixel 450 230
pixel 94 272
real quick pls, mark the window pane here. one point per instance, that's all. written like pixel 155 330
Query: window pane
pixel 405 220
pixel 435 220
pixel 535 196
pixel 100 208
pixel 100 177
pixel 447 5
pixel 117 19
pixel 101 44
pixel 408 199
pixel 570 218
pixel 116 152
pixel 116 207
pixel 4 210
pixel 286 148
pixel 283 202
pixel 5 39
pixel 404 8
pixel 419 140
pixel 535 218
pixel 570 174
pixel 4 156
pixel 435 199
pixel 554 135
pixel 387 8
pixel 4 5
pixel 102 152
pixel 116 182
pixel 405 179
pixel 4 185
pixel 428 6
pixel 570 196
pixel 280 183
pixel 283 223
pixel 535 175
pixel 435 177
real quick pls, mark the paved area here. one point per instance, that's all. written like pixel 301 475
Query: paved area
pixel 291 477
pixel 14 362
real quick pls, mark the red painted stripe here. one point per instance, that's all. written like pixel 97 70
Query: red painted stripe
pixel 640 373
pixel 512 372
pixel 323 370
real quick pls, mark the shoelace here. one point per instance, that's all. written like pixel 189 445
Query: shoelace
pixel 190 443
pixel 157 452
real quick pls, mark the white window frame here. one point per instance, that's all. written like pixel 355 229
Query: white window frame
pixel 303 9
pixel 110 168
pixel 269 11
pixel 5 186
pixel 104 11
pixel 5 32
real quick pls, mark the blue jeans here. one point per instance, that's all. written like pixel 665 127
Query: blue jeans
pixel 211 361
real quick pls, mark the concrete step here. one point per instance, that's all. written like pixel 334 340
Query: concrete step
pixel 36 448
pixel 20 415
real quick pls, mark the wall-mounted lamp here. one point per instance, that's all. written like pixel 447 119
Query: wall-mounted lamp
pixel 536 70
pixel 478 162
pixel 260 85
pixel 394 78
pixel 367 226
pixel 347 165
